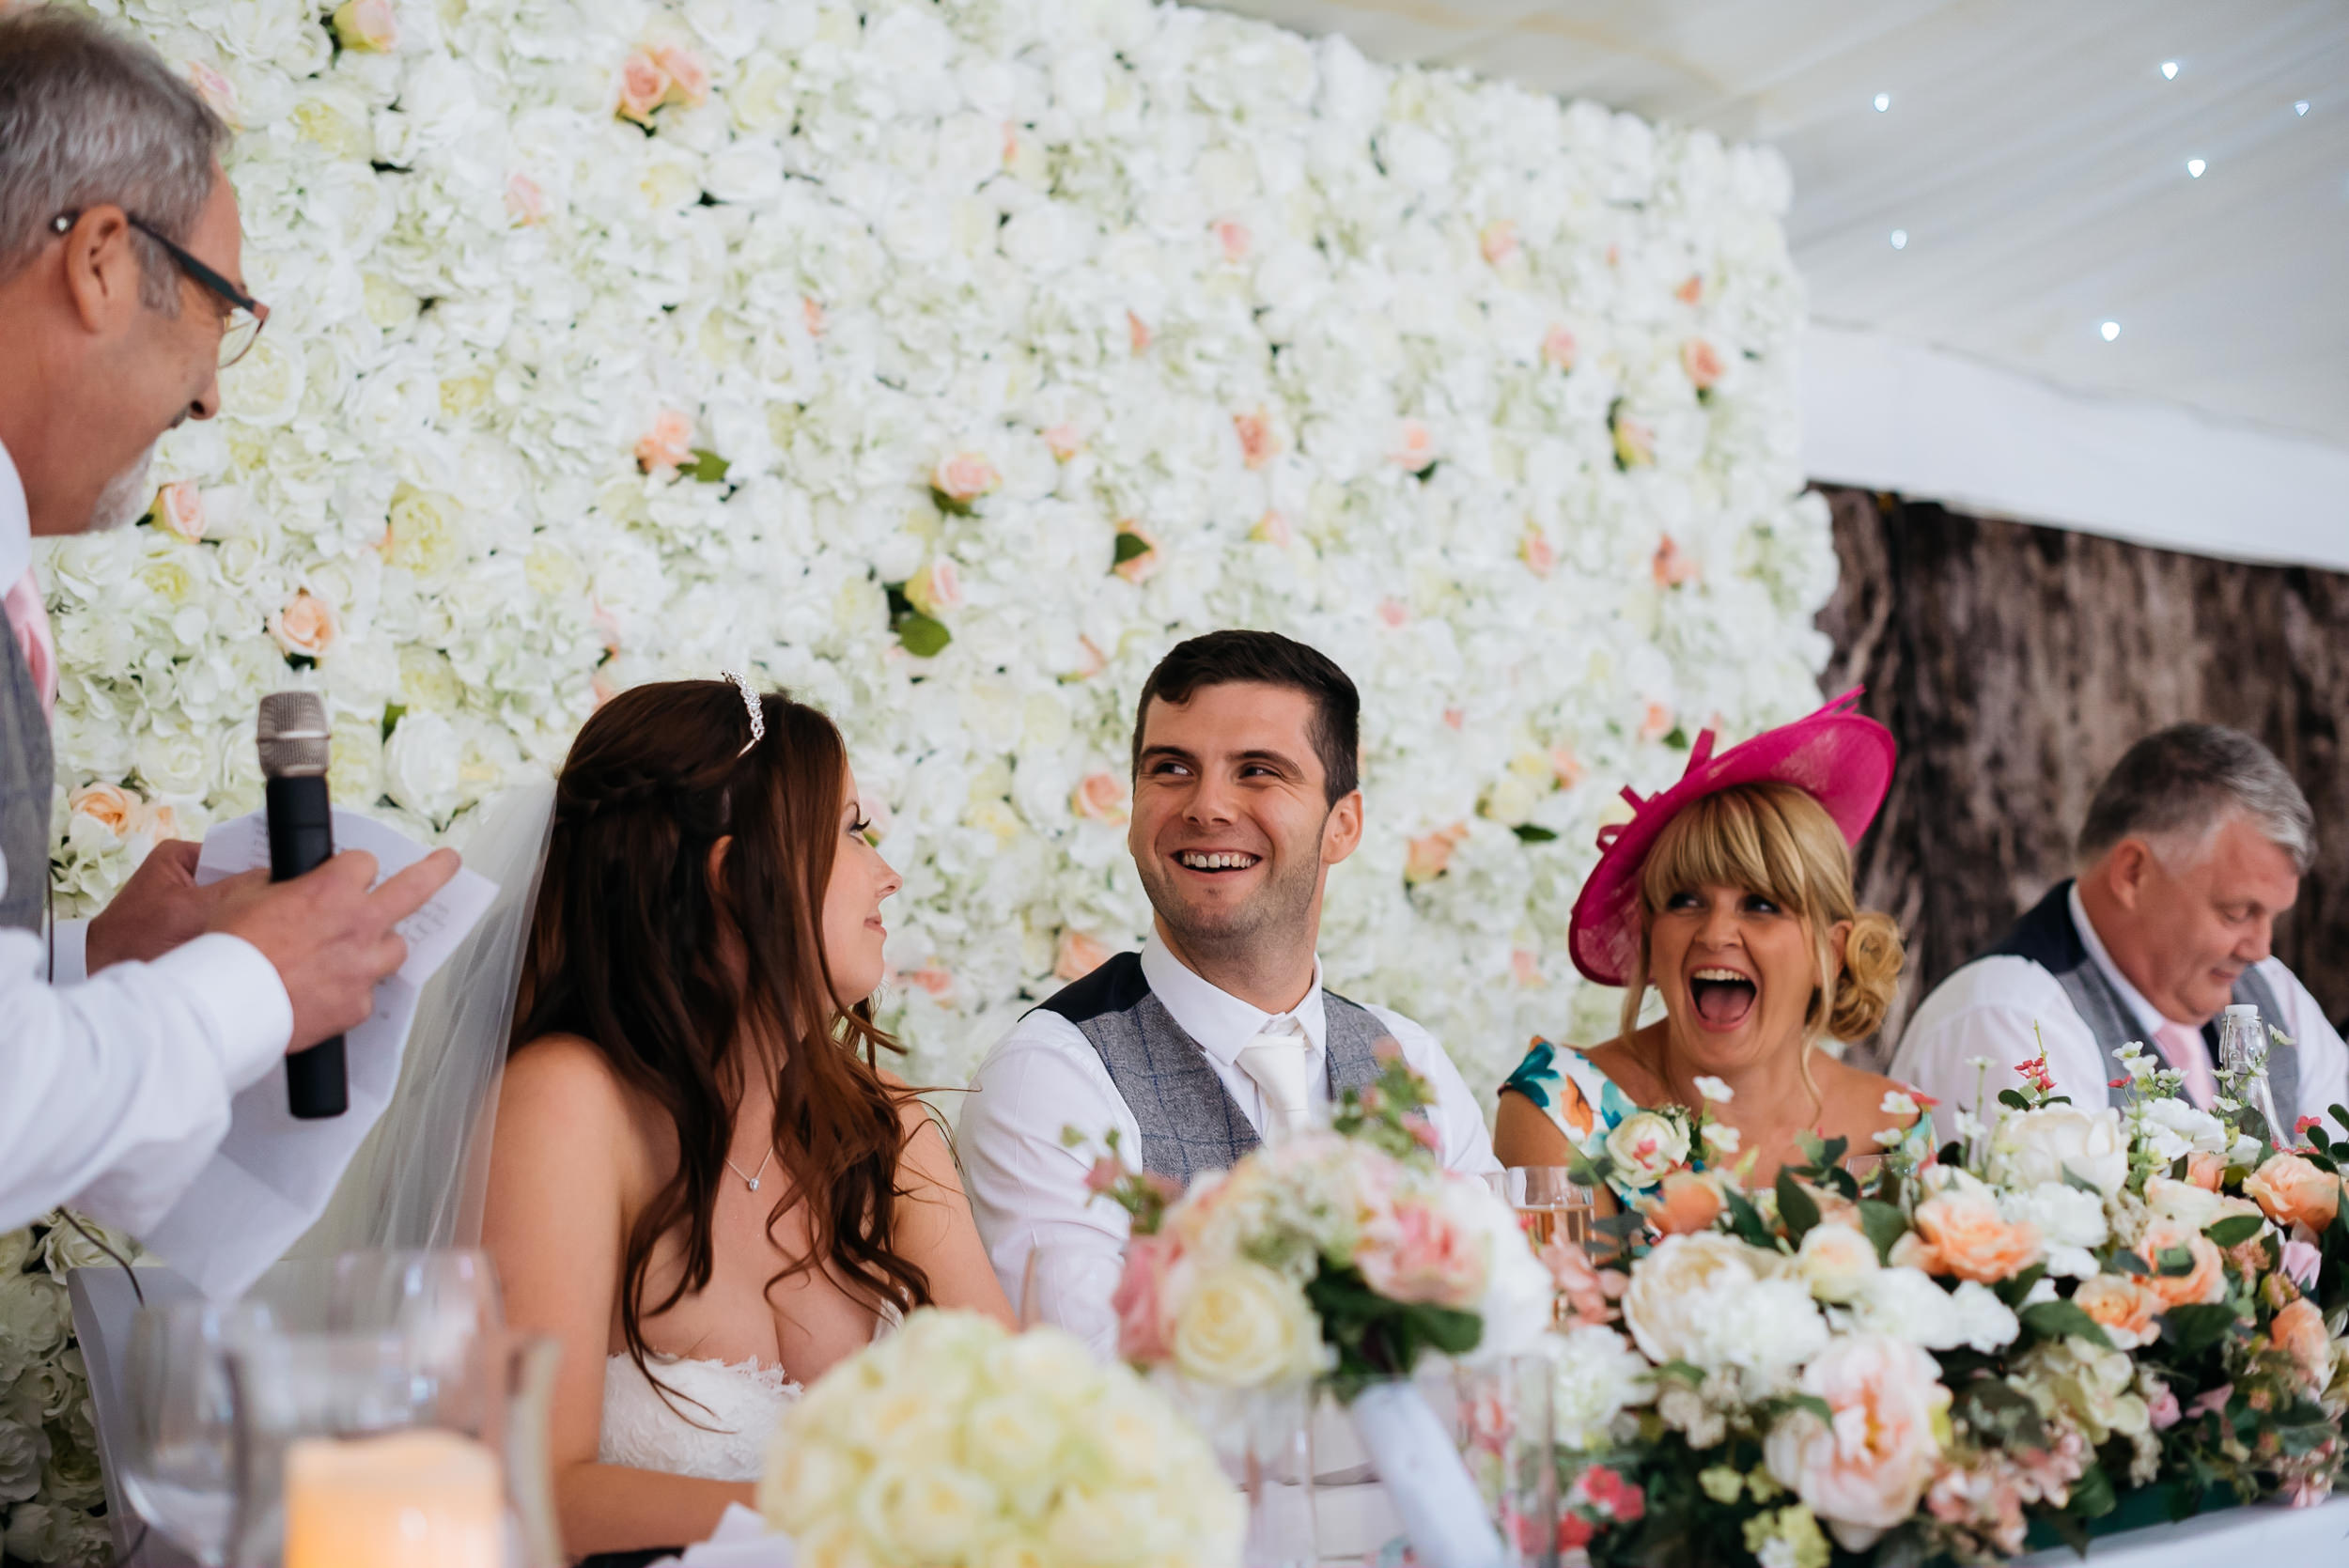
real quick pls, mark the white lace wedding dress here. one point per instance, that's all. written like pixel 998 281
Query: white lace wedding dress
pixel 734 1409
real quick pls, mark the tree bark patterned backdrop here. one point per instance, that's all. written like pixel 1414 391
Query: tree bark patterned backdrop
pixel 2016 663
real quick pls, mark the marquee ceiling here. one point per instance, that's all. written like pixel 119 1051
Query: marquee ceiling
pixel 2033 157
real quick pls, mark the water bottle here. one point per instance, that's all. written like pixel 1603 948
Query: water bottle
pixel 2243 1051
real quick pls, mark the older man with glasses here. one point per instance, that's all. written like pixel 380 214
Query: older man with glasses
pixel 121 1044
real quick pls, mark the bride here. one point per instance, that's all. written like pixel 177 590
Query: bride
pixel 702 1183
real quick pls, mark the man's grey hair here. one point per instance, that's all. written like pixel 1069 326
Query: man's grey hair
pixel 90 116
pixel 2183 782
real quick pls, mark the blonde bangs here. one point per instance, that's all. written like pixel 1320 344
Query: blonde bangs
pixel 1768 839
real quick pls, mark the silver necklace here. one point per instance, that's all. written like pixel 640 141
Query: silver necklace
pixel 752 1182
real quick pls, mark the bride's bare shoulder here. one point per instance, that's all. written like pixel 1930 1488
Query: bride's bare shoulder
pixel 561 1087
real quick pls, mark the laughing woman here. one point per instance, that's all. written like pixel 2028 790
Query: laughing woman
pixel 1731 893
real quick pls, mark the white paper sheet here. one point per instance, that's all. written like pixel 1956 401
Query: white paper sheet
pixel 741 1541
pixel 272 1176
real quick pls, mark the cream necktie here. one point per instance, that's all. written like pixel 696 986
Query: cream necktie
pixel 1275 1059
pixel 2182 1046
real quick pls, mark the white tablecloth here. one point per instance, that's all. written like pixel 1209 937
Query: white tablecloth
pixel 2267 1535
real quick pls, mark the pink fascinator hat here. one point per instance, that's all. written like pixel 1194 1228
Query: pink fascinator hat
pixel 1839 758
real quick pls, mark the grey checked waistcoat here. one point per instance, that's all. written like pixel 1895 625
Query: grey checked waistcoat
pixel 1189 1122
pixel 27 780
pixel 2048 938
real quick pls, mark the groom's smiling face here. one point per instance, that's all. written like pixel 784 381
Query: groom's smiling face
pixel 1232 829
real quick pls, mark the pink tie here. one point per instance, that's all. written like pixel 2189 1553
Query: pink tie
pixel 30 619
pixel 2182 1046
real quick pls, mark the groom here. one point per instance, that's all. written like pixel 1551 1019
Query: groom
pixel 1218 1034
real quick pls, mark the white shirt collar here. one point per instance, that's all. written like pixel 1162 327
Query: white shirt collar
pixel 16 524
pixel 2148 1018
pixel 1220 1021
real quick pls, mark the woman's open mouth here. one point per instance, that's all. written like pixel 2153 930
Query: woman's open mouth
pixel 1724 997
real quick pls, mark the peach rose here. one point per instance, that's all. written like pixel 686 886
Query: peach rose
pixel 1635 441
pixel 1498 242
pixel 644 86
pixel 1233 239
pixel 932 978
pixel 1258 444
pixel 1414 447
pixel 1525 966
pixel 2205 1282
pixel 689 78
pixel 1536 551
pixel 1428 857
pixel 306 625
pixel 1144 567
pixel 1971 1240
pixel 1137 334
pixel 965 477
pixel 665 447
pixel 367 26
pixel 2122 1308
pixel 2292 1191
pixel 1656 722
pixel 1075 954
pixel 937 587
pixel 2205 1169
pixel 1100 796
pixel 180 508
pixel 812 315
pixel 1691 291
pixel 1421 1253
pixel 1866 1469
pixel 1393 611
pixel 2298 1331
pixel 525 200
pixel 1685 1203
pixel 1565 766
pixel 1669 567
pixel 1065 440
pixel 1273 529
pixel 1140 1300
pixel 1559 348
pixel 1701 360
pixel 111 806
pixel 218 93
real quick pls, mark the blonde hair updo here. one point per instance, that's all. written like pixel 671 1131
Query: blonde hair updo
pixel 1775 840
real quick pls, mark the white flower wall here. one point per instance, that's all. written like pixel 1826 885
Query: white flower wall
pixel 616 340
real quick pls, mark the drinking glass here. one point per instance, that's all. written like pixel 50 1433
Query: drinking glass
pixel 1550 1203
pixel 1501 1421
pixel 443 1304
pixel 180 1473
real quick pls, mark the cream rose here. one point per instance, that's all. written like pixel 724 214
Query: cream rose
pixel 1244 1326
pixel 1714 1301
pixel 1835 1261
pixel 2035 1147
pixel 1645 1146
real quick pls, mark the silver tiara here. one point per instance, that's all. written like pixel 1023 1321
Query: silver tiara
pixel 752 705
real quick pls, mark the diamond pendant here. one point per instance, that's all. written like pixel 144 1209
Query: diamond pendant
pixel 753 1184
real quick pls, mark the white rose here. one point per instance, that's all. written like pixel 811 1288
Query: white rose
pixel 1242 1326
pixel 928 1512
pixel 1597 1376
pixel 2183 1202
pixel 2176 1128
pixel 1646 1147
pixel 423 765
pixel 1836 1261
pixel 2069 1220
pixel 2032 1147
pixel 1984 1323
pixel 1713 1301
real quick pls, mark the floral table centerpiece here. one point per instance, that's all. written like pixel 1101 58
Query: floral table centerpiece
pixel 2050 1313
pixel 1342 1257
pixel 955 1444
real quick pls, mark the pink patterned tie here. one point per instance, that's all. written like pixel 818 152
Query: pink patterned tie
pixel 2183 1047
pixel 30 619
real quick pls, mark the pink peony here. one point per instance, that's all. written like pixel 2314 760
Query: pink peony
pixel 1141 1296
pixel 1419 1252
pixel 1865 1469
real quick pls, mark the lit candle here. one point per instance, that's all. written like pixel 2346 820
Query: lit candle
pixel 406 1499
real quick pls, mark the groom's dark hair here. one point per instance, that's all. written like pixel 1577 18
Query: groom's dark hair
pixel 1269 659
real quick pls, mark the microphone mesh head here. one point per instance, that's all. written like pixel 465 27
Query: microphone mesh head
pixel 293 734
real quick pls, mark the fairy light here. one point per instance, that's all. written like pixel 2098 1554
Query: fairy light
pixel 2109 331
pixel 2301 107
pixel 2194 168
pixel 2169 71
pixel 1900 238
pixel 1883 101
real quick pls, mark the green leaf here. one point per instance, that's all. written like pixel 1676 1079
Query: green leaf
pixel 1796 1206
pixel 1677 738
pixel 2055 1320
pixel 2126 1262
pixel 1746 1220
pixel 2340 1115
pixel 1814 1404
pixel 922 636
pixel 1129 547
pixel 1533 833
pixel 1688 1373
pixel 1885 1224
pixel 2234 1229
pixel 2174 1263
pixel 393 714
pixel 2015 1291
pixel 707 467
pixel 2073 1179
pixel 2013 1099
pixel 948 504
pixel 2092 1495
pixel 2196 1325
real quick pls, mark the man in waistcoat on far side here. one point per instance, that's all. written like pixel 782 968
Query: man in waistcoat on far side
pixel 1218 1036
pixel 2193 848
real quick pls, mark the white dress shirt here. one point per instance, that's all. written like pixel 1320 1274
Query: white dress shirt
pixel 115 1088
pixel 1028 1189
pixel 1989 1008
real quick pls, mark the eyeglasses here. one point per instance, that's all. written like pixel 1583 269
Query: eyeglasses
pixel 241 315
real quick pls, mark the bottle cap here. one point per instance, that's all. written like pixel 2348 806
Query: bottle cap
pixel 2242 1010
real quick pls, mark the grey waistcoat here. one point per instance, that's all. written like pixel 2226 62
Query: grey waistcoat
pixel 2048 938
pixel 1189 1122
pixel 27 780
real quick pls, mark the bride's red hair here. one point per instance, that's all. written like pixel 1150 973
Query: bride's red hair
pixel 625 952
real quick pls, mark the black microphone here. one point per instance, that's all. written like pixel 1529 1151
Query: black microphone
pixel 294 756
